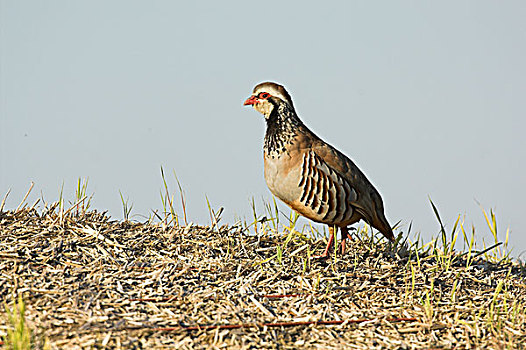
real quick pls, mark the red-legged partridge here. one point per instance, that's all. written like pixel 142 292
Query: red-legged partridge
pixel 309 175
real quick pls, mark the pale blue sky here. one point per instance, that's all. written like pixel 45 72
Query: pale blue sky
pixel 428 98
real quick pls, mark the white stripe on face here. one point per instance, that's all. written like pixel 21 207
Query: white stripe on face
pixel 273 92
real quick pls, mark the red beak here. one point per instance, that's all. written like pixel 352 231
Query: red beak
pixel 250 101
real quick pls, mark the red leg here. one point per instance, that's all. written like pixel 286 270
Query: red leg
pixel 329 244
pixel 345 234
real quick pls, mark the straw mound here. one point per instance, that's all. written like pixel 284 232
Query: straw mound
pixel 89 281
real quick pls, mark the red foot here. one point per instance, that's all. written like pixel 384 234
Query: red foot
pixel 325 253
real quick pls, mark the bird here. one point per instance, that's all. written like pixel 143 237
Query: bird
pixel 311 176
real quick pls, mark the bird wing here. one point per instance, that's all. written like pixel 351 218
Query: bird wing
pixel 366 199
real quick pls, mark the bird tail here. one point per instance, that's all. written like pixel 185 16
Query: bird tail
pixel 385 229
pixel 379 222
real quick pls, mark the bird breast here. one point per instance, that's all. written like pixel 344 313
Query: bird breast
pixel 283 177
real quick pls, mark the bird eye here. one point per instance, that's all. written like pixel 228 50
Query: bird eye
pixel 264 95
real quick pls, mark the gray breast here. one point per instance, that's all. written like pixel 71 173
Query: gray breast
pixel 282 180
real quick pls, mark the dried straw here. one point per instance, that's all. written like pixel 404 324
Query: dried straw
pixel 89 281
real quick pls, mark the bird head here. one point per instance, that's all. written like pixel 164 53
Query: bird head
pixel 266 96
